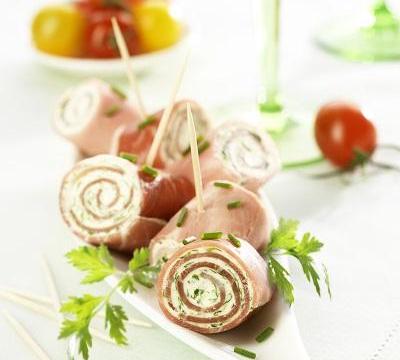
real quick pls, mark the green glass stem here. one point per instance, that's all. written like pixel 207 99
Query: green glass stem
pixel 268 21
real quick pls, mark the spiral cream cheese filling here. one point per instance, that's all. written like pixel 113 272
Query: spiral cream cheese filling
pixel 207 288
pixel 244 152
pixel 101 196
pixel 176 138
pixel 76 108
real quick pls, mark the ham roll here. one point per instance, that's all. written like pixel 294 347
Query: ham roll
pixel 230 209
pixel 107 199
pixel 89 114
pixel 237 152
pixel 211 286
pixel 137 139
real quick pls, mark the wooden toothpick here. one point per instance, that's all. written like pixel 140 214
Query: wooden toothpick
pixel 166 114
pixel 26 337
pixel 123 50
pixel 198 183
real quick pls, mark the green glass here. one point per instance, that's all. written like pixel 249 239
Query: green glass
pixel 373 37
pixel 267 20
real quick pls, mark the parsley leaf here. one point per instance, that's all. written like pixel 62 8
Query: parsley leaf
pixel 97 263
pixel 140 258
pixel 115 317
pixel 284 241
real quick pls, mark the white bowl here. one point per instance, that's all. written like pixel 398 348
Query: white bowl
pixel 106 67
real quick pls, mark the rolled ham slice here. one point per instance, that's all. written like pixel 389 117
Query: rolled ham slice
pixel 89 114
pixel 250 220
pixel 175 143
pixel 238 152
pixel 107 199
pixel 211 286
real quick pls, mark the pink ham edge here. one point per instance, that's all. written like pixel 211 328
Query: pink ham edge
pixel 197 318
pixel 213 165
pixel 250 221
pixel 93 135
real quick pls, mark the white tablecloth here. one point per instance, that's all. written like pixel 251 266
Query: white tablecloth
pixel 359 222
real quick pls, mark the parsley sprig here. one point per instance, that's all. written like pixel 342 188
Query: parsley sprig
pixel 284 241
pixel 97 264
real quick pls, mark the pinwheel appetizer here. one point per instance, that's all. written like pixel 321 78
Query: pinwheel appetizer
pixel 89 114
pixel 137 138
pixel 235 152
pixel 109 200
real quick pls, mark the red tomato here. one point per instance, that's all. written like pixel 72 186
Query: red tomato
pixel 91 5
pixel 100 40
pixel 340 130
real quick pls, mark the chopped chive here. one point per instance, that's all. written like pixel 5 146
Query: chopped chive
pixel 148 121
pixel 234 204
pixel 129 156
pixel 211 235
pixel 182 217
pixel 118 92
pixel 246 353
pixel 234 240
pixel 199 139
pixel 149 171
pixel 188 240
pixel 265 334
pixel 223 185
pixel 203 146
pixel 112 110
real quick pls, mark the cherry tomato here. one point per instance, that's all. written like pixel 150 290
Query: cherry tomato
pixel 156 27
pixel 340 130
pixel 58 30
pixel 100 39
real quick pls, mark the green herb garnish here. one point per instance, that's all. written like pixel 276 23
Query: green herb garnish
pixel 246 353
pixel 150 171
pixel 234 204
pixel 234 240
pixel 211 235
pixel 112 110
pixel 284 242
pixel 118 92
pixel 199 139
pixel 97 264
pixel 223 185
pixel 203 146
pixel 265 334
pixel 129 156
pixel 182 217
pixel 148 121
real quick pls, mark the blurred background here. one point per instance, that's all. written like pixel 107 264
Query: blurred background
pixel 358 223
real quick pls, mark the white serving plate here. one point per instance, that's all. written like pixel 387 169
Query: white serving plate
pixel 284 344
pixel 108 67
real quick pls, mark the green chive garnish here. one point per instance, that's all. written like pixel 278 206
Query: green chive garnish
pixel 203 146
pixel 112 110
pixel 246 353
pixel 234 240
pixel 148 121
pixel 199 139
pixel 211 235
pixel 118 92
pixel 223 185
pixel 189 240
pixel 265 334
pixel 129 156
pixel 149 171
pixel 234 204
pixel 182 217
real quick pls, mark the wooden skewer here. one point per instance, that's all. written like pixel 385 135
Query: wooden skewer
pixel 47 301
pixel 41 310
pixel 123 50
pixel 198 183
pixel 33 297
pixel 166 114
pixel 25 336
